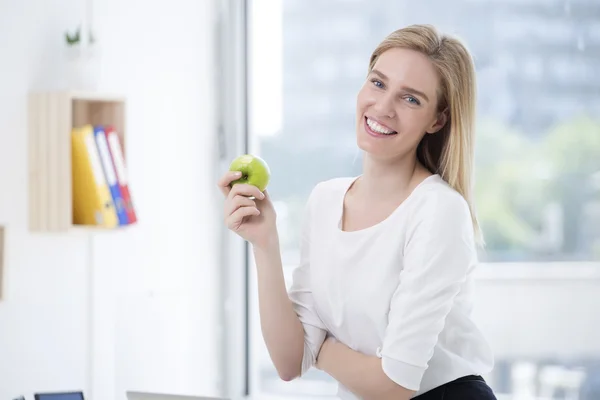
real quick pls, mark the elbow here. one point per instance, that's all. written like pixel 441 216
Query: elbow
pixel 288 366
pixel 289 363
pixel 288 373
pixel 287 377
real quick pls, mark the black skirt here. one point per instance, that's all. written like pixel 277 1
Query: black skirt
pixel 471 387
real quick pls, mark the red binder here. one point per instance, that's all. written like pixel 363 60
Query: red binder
pixel 116 153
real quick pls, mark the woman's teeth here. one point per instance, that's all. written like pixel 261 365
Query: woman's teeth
pixel 375 126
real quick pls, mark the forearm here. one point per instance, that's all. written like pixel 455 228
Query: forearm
pixel 281 329
pixel 360 373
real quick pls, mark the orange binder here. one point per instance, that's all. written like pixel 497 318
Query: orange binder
pixel 92 201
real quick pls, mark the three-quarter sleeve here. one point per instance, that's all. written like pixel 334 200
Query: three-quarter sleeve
pixel 438 253
pixel 300 294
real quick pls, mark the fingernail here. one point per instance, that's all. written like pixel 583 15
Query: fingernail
pixel 237 173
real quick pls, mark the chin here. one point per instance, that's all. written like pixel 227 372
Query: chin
pixel 372 147
pixel 383 150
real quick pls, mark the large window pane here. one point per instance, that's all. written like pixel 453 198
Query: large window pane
pixel 538 158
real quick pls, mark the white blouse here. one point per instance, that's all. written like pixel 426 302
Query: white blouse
pixel 400 290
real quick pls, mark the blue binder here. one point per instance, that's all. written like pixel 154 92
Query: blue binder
pixel 110 174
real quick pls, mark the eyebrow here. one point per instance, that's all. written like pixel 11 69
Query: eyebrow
pixel 406 88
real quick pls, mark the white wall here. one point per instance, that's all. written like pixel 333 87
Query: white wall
pixel 154 285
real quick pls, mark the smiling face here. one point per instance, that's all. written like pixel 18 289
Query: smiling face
pixel 398 104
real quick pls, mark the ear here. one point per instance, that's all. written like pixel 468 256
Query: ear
pixel 440 121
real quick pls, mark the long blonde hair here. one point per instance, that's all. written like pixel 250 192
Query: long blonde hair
pixel 449 152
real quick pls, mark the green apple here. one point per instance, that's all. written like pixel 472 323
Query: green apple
pixel 254 169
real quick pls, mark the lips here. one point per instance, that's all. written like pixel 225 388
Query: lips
pixel 377 129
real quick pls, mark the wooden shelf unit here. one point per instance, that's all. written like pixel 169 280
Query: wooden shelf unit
pixel 52 115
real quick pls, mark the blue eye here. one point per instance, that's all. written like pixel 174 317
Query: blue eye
pixel 377 83
pixel 413 100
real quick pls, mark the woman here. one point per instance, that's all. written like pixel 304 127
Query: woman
pixel 382 297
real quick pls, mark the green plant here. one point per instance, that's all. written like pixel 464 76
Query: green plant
pixel 75 38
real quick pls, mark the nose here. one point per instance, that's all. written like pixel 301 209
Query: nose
pixel 384 106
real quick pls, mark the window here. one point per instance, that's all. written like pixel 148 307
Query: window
pixel 538 163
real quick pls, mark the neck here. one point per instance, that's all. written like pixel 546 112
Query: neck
pixel 389 178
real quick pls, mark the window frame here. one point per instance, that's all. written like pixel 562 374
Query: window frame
pixel 231 106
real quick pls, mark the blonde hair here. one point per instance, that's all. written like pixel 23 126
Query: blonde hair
pixel 450 151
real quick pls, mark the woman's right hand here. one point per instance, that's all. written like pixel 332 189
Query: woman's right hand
pixel 253 219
